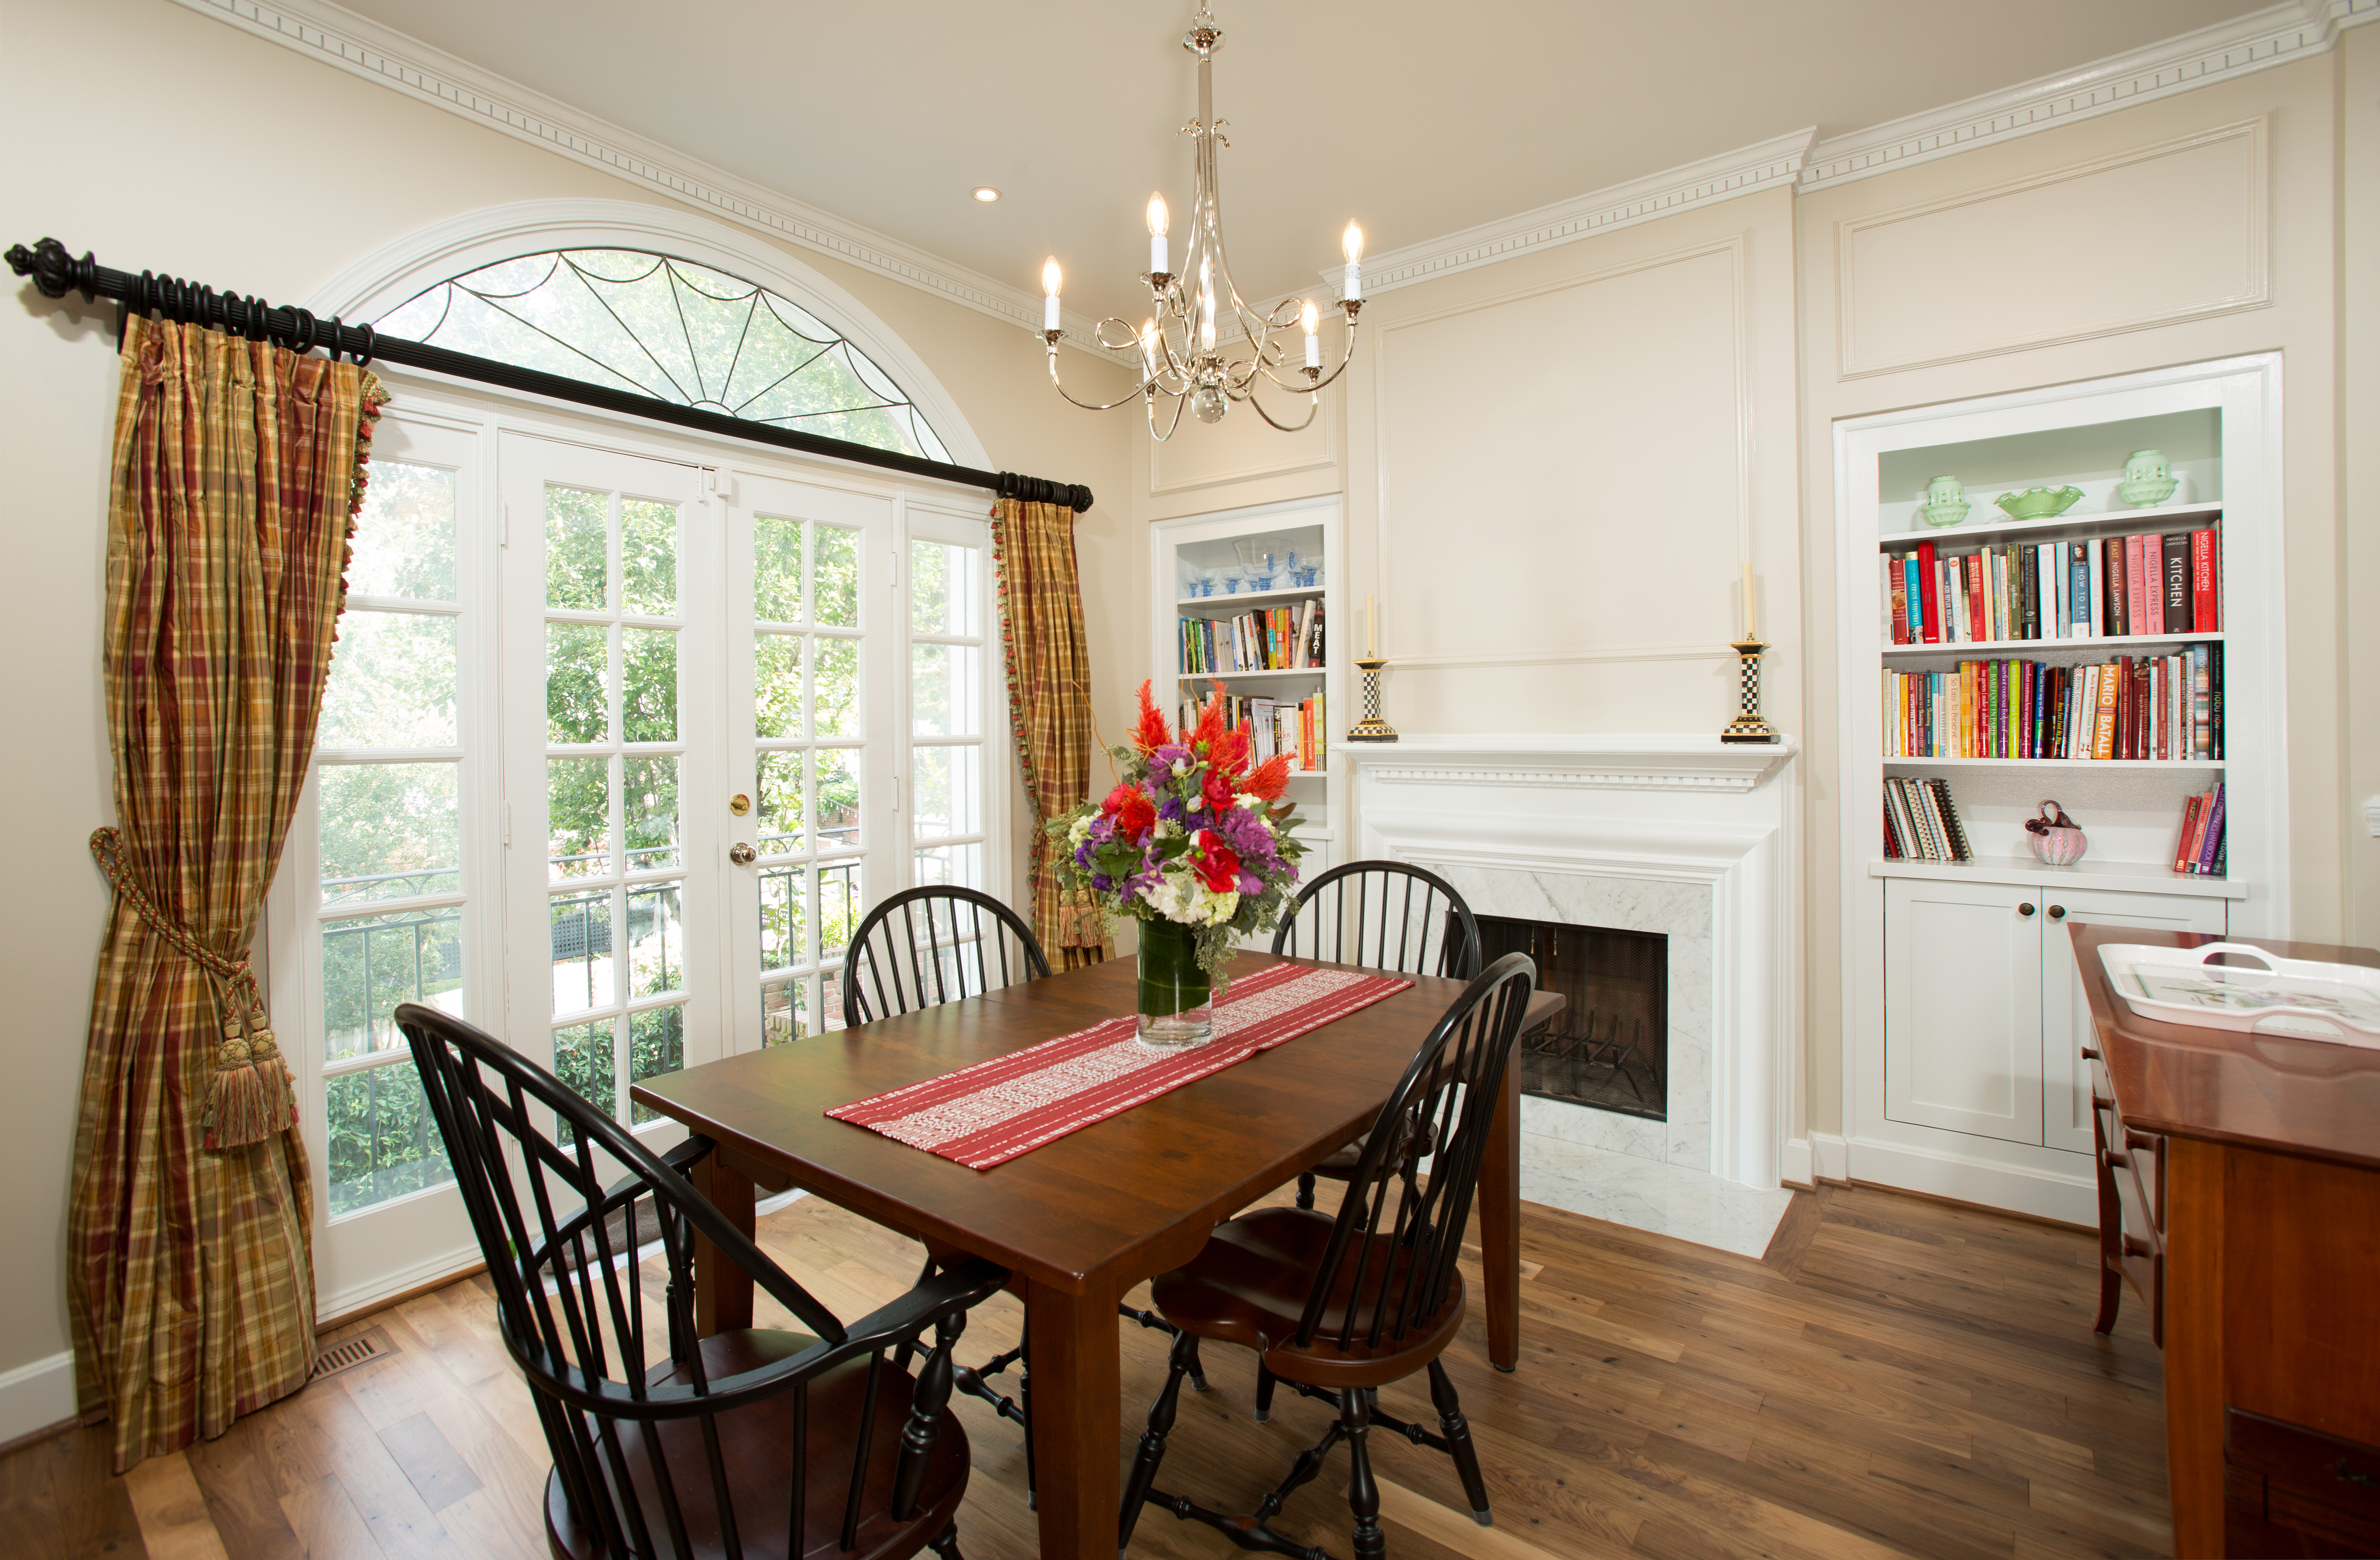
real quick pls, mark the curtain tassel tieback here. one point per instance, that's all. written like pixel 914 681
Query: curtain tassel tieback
pixel 252 1095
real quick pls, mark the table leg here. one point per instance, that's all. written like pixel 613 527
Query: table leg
pixel 1077 1429
pixel 722 1291
pixel 1499 1225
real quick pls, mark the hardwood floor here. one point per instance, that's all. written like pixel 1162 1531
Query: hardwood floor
pixel 1896 1377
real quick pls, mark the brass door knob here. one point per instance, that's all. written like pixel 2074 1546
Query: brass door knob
pixel 742 854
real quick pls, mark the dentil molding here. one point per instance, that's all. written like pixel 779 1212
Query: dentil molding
pixel 1623 763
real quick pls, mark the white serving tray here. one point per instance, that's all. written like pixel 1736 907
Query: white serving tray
pixel 2339 1003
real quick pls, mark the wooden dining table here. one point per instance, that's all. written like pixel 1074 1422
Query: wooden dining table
pixel 1081 1220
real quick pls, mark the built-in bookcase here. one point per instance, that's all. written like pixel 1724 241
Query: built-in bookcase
pixel 1193 561
pixel 1962 1014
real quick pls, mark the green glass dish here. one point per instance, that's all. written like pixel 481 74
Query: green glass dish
pixel 2039 503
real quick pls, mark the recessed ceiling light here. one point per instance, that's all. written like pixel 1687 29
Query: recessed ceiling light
pixel 985 193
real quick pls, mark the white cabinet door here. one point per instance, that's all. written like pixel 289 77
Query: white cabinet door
pixel 1963 1007
pixel 2065 1016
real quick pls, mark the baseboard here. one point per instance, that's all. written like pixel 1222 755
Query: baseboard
pixel 2061 1198
pixel 35 1396
pixel 1820 1157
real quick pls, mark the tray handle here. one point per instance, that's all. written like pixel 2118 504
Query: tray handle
pixel 2207 953
pixel 2307 1012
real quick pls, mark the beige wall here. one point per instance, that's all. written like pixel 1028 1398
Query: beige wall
pixel 2162 235
pixel 2359 449
pixel 224 158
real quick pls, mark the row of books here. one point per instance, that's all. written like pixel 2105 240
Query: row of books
pixel 2132 707
pixel 1299 728
pixel 2198 849
pixel 1279 639
pixel 2105 589
pixel 1920 821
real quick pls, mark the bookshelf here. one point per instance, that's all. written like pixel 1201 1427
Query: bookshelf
pixel 1198 553
pixel 1963 1015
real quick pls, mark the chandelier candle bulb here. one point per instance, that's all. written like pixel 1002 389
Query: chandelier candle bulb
pixel 1310 317
pixel 1158 257
pixel 1351 243
pixel 1049 279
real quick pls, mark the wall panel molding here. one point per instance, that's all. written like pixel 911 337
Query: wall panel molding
pixel 2144 276
pixel 1295 453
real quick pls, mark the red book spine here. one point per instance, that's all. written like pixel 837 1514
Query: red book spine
pixel 1927 583
pixel 2136 619
pixel 2185 848
pixel 2124 707
pixel 2152 584
pixel 2205 615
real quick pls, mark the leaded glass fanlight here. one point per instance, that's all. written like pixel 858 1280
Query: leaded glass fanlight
pixel 679 332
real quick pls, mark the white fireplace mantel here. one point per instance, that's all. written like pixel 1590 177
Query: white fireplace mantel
pixel 1682 835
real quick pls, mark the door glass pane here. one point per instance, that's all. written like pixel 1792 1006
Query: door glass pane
pixel 656 1045
pixel 837 799
pixel 656 941
pixel 578 817
pixel 392 683
pixel 371 963
pixel 582 1060
pixel 648 558
pixel 405 537
pixel 942 682
pixel 776 570
pixel 838 909
pixel 836 708
pixel 578 547
pixel 959 864
pixel 949 791
pixel 777 685
pixel 780 802
pixel 834 576
pixel 383 1141
pixel 649 786
pixel 784 902
pixel 577 683
pixel 389 831
pixel 942 588
pixel 648 667
pixel 782 1012
pixel 580 933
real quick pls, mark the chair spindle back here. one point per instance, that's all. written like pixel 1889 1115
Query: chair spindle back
pixel 926 947
pixel 1383 915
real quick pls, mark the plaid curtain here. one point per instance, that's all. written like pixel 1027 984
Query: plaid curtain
pixel 1048 704
pixel 238 467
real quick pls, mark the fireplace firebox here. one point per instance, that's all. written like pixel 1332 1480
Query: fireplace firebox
pixel 1610 1049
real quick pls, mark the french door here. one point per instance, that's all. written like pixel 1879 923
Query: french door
pixel 618 748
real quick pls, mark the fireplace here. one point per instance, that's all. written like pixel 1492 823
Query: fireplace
pixel 1610 1047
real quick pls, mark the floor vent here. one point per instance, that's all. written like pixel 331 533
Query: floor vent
pixel 371 1344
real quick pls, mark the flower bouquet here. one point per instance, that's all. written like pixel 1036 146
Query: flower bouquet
pixel 1193 843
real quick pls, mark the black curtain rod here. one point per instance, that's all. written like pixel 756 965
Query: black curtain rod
pixel 54 272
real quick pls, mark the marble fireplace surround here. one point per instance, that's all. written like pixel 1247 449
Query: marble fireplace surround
pixel 1684 835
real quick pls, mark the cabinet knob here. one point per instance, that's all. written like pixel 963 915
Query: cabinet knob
pixel 2025 909
pixel 2058 912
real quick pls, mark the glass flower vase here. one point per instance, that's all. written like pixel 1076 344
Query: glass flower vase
pixel 1177 998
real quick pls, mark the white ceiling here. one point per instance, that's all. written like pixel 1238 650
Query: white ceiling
pixel 1416 120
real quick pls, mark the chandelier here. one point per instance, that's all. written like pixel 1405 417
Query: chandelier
pixel 1201 344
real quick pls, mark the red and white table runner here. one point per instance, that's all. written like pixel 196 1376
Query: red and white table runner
pixel 990 1113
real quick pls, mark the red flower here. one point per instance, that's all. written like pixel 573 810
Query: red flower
pixel 1270 779
pixel 1117 798
pixel 1216 790
pixel 1135 818
pixel 1218 864
pixel 1150 733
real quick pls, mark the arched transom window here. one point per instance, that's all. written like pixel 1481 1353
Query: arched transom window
pixel 657 326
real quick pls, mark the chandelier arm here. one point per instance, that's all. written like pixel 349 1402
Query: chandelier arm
pixel 1170 427
pixel 1091 406
pixel 1327 379
pixel 1314 406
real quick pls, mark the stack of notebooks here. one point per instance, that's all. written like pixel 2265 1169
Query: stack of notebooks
pixel 2132 707
pixel 2107 589
pixel 1281 639
pixel 1299 728
pixel 2198 848
pixel 1921 824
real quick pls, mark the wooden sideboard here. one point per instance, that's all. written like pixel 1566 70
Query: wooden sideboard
pixel 2239 1194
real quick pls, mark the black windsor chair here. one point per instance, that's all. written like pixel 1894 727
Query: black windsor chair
pixel 926 947
pixel 754 1442
pixel 1341 1307
pixel 1363 913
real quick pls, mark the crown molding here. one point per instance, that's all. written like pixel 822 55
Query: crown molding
pixel 333 35
pixel 2278 35
pixel 1768 164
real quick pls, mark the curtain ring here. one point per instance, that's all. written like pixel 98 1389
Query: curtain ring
pixel 333 328
pixel 301 331
pixel 363 358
